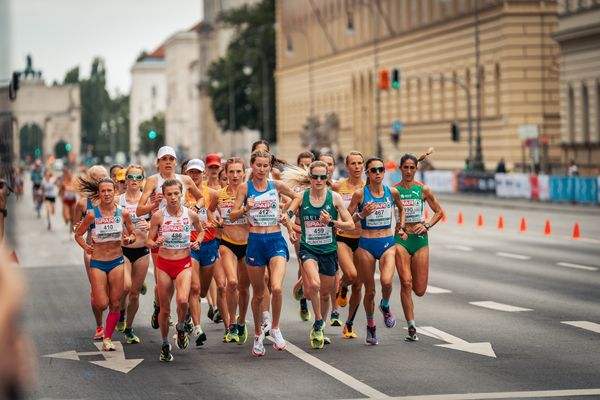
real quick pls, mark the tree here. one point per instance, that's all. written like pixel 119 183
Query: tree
pixel 72 76
pixel 156 125
pixel 253 41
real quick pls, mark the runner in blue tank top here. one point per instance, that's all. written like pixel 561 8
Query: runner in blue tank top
pixel 374 204
pixel 258 199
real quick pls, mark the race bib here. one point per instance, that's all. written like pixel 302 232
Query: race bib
pixel 108 229
pixel 176 234
pixel 412 209
pixel 225 210
pixel 266 209
pixel 316 233
pixel 382 216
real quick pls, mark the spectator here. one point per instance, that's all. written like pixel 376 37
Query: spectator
pixel 572 170
pixel 501 167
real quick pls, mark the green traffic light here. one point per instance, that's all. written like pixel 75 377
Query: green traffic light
pixel 68 147
pixel 395 84
pixel 152 135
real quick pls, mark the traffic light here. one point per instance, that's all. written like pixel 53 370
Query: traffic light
pixel 396 78
pixel 37 152
pixel 454 132
pixel 68 147
pixel 384 79
pixel 152 135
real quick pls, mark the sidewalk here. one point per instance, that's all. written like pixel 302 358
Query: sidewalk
pixel 512 203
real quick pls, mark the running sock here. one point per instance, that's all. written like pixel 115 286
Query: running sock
pixel 179 327
pixel 198 328
pixel 385 303
pixel 370 321
pixel 318 325
pixel 127 331
pixel 352 315
pixel 267 314
pixel 303 303
pixel 165 340
pixel 411 323
pixel 111 322
pixel 122 316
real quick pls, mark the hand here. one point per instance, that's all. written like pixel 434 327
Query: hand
pixel 159 241
pixel 249 204
pixel 76 226
pixel 368 209
pixel 284 218
pixel 195 245
pixel 293 236
pixel 142 225
pixel 219 222
pixel 125 239
pixel 158 197
pixel 324 217
pixel 89 249
pixel 419 229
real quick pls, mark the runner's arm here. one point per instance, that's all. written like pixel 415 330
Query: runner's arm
pixel 155 222
pixel 344 221
pixel 82 228
pixel 144 205
pixel 434 205
pixel 238 210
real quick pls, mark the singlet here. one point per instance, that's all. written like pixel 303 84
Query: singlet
pixel 69 193
pixel 412 200
pixel 381 218
pixel 159 182
pixel 175 230
pixel 210 233
pixel 107 229
pixel 49 188
pixel 317 236
pixel 225 204
pixel 131 208
pixel 346 193
pixel 266 205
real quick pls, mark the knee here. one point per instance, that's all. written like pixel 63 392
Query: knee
pixel 101 304
pixel 420 291
pixel 195 289
pixel 126 290
pixel 181 299
pixel 386 284
pixel 370 292
pixel 115 305
pixel 165 304
pixel 232 285
pixel 276 291
pixel 259 296
pixel 221 288
pixel 134 296
pixel 406 284
pixel 350 278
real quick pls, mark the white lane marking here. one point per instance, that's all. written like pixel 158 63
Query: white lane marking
pixel 456 343
pixel 203 300
pixel 512 255
pixel 590 326
pixel 458 247
pixel 437 290
pixel 334 372
pixel 576 266
pixel 505 395
pixel 499 306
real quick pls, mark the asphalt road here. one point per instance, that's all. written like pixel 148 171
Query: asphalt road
pixel 507 315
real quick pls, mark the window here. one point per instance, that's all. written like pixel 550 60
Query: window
pixel 497 88
pixel 153 91
pixel 585 113
pixel 571 115
pixel 482 90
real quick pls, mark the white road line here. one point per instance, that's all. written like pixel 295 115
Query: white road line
pixel 437 290
pixel 334 372
pixel 576 266
pixel 505 395
pixel 590 326
pixel 458 247
pixel 498 306
pixel 515 256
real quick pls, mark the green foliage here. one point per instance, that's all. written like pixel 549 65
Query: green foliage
pixel 156 124
pixel 72 76
pixel 141 56
pixel 254 35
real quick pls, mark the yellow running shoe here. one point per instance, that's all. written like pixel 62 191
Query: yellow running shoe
pixel 317 338
pixel 107 345
pixel 242 334
pixel 120 326
pixel 349 331
pixel 342 296
pixel 297 290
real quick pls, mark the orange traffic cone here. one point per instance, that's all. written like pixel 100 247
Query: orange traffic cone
pixel 500 222
pixel 426 214
pixel 480 220
pixel 576 234
pixel 460 218
pixel 444 217
pixel 523 227
pixel 547 229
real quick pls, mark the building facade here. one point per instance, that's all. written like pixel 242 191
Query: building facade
pixel 579 38
pixel 148 96
pixel 330 54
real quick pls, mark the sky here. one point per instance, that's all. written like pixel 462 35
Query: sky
pixel 61 34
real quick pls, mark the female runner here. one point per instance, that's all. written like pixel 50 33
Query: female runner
pixel 106 264
pixel 348 243
pixel 171 228
pixel 136 254
pixel 412 252
pixel 258 199
pixel 232 249
pixel 69 197
pixel 49 193
pixel 375 203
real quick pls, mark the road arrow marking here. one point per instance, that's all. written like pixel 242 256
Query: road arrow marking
pixel 499 306
pixel 590 326
pixel 114 360
pixel 484 348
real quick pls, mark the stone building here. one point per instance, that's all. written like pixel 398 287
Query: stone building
pixel 579 38
pixel 330 54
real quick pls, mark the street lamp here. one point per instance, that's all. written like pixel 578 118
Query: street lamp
pixel 290 52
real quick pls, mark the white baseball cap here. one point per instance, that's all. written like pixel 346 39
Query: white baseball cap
pixel 195 163
pixel 165 151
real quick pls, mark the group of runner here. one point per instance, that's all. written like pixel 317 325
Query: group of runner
pixel 220 224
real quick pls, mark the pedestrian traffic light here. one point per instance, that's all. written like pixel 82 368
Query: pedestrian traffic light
pixel 455 132
pixel 37 152
pixel 15 80
pixel 68 147
pixel 395 78
pixel 384 79
pixel 152 135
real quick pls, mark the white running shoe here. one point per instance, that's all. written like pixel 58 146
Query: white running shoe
pixel 258 350
pixel 279 340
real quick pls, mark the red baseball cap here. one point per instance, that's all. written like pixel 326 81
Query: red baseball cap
pixel 213 159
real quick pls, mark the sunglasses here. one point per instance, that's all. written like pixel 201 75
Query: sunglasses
pixel 321 177
pixel 135 177
pixel 377 170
